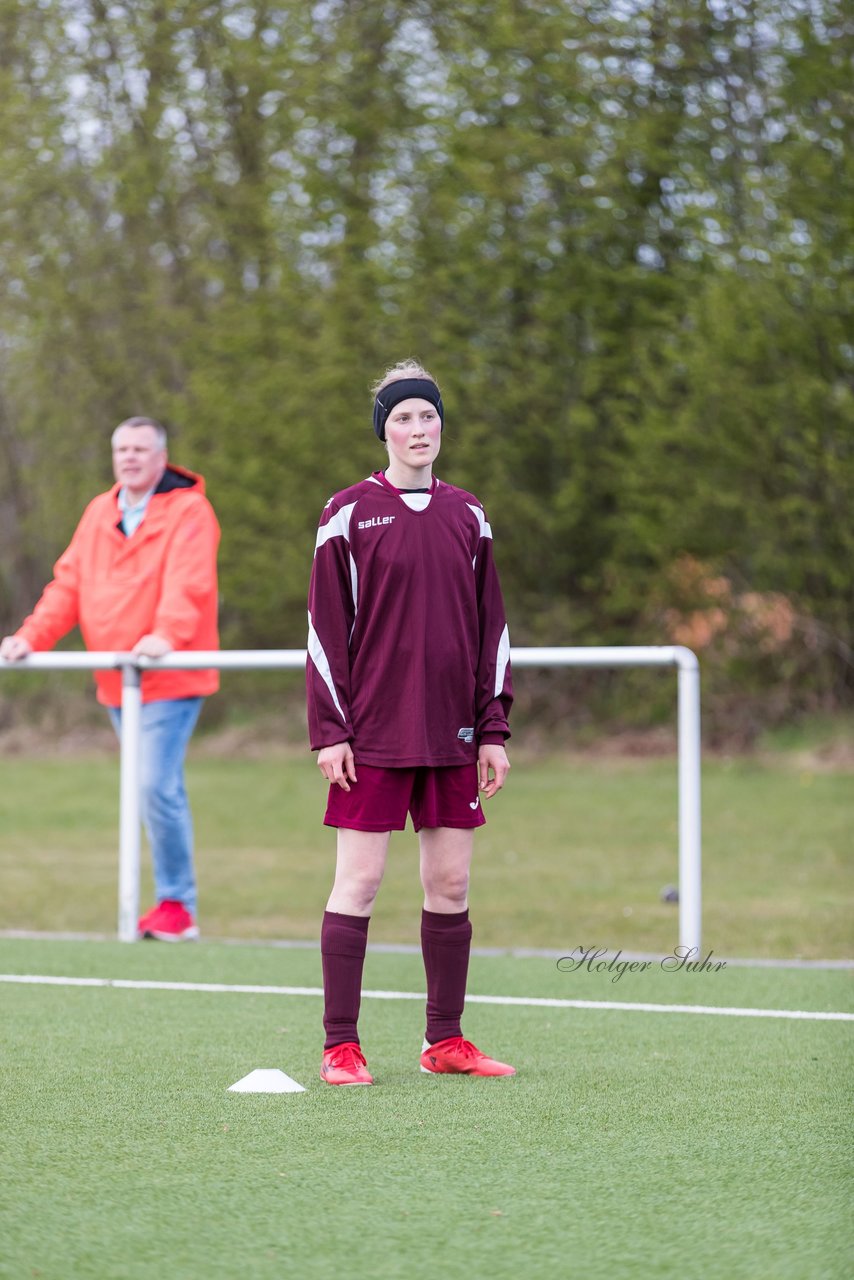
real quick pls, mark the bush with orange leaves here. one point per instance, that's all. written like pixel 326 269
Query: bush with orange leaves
pixel 756 650
pixel 708 611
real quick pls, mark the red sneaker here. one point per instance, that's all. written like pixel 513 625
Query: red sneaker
pixel 144 921
pixel 169 921
pixel 345 1064
pixel 457 1056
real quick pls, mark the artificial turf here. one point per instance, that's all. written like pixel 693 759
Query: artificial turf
pixel 630 1145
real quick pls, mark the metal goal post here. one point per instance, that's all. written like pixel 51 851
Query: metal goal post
pixel 688 729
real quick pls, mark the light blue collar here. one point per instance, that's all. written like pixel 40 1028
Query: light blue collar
pixel 132 514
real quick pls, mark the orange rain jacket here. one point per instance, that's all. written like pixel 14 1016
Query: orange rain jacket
pixel 162 579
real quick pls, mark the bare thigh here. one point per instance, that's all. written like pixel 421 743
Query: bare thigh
pixel 358 871
pixel 445 862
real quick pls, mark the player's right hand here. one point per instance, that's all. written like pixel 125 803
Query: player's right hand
pixel 337 764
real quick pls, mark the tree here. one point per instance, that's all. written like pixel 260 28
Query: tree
pixel 618 234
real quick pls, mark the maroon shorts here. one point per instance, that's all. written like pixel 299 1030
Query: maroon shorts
pixel 381 799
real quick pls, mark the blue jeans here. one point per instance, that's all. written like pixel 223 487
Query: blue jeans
pixel 167 727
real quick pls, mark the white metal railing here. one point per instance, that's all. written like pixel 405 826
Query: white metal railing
pixel 688 672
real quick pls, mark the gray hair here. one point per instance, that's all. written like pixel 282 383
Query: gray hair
pixel 159 429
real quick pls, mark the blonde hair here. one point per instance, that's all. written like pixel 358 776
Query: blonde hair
pixel 403 369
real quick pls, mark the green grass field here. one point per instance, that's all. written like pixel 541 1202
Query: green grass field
pixel 575 852
pixel 631 1144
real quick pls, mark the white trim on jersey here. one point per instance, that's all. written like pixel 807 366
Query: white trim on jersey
pixel 337 527
pixel 483 523
pixel 318 656
pixel 502 657
pixel 416 501
pixel 354 591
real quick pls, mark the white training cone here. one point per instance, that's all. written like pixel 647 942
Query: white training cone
pixel 266 1080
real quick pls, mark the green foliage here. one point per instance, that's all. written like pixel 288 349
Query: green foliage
pixel 619 235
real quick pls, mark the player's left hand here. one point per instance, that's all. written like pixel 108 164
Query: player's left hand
pixel 492 758
pixel 151 646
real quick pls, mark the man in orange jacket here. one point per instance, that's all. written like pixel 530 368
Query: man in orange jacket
pixel 140 574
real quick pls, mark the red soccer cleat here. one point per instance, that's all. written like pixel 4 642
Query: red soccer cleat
pixel 345 1064
pixel 169 921
pixel 457 1056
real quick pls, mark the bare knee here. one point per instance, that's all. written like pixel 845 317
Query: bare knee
pixel 358 872
pixel 445 861
pixel 446 890
pixel 354 895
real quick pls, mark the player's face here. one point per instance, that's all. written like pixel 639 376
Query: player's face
pixel 413 431
pixel 138 459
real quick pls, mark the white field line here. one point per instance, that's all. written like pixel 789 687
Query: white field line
pixel 537 1002
pixel 414 949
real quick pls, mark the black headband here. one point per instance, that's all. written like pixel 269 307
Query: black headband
pixel 405 389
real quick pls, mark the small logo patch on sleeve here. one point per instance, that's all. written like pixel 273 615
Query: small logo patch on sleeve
pixel 466 735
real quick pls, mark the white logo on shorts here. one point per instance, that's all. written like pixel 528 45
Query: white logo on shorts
pixel 473 805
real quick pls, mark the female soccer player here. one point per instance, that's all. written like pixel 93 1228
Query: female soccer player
pixel 408 696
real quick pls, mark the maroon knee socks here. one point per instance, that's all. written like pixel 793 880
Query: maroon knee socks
pixel 445 945
pixel 343 940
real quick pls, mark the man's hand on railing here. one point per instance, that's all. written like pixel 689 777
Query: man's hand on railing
pixel 13 648
pixel 151 646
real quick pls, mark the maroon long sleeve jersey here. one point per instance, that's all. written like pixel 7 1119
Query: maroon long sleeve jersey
pixel 407 640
